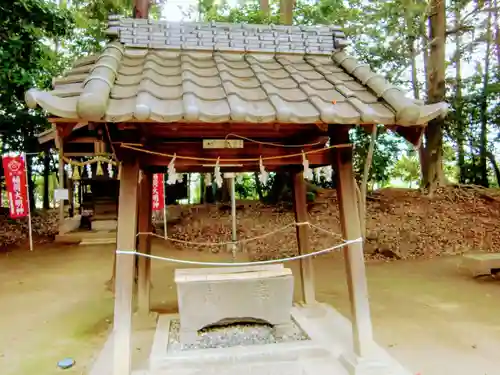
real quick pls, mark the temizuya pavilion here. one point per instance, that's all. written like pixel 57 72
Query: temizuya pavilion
pixel 164 88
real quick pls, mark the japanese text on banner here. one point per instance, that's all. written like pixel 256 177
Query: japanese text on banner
pixel 15 181
pixel 158 192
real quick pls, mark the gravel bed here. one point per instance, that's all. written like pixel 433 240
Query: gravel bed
pixel 243 334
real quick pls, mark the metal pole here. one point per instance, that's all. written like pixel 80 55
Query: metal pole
pixel 164 209
pixel 30 229
pixel 233 207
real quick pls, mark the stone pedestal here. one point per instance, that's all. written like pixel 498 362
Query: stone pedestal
pixel 209 296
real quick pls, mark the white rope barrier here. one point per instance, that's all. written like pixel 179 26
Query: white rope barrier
pixel 242 241
pixel 233 264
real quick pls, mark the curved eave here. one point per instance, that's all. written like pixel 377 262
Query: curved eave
pixel 129 110
pixel 54 105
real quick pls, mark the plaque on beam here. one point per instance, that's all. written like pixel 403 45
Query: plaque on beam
pixel 222 143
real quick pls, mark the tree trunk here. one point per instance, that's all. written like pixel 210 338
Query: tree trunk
pixel 278 187
pixel 414 73
pixel 224 195
pixel 286 11
pixel 497 31
pixel 434 132
pixel 495 167
pixel 425 54
pixel 460 132
pixel 141 8
pixel 46 180
pixel 202 188
pixel 258 186
pixel 409 19
pixel 264 7
pixel 483 114
pixel 209 193
pixel 422 152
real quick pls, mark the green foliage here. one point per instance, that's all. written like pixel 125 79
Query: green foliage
pixel 27 60
pixel 385 154
pixel 91 23
pixel 249 13
pixel 245 187
pixel 407 168
pixel 467 110
pixel 25 57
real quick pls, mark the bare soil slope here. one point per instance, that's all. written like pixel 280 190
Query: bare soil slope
pixel 401 224
pixel 15 232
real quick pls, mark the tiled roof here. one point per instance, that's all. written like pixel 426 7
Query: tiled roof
pixel 135 79
pixel 227 37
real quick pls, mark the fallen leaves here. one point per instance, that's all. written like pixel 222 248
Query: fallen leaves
pixel 15 232
pixel 401 224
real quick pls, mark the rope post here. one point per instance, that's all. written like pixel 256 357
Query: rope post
pixel 301 216
pixel 234 235
pixel 353 255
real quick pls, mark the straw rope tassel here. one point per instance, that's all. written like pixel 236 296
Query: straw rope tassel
pixel 76 173
pixel 99 171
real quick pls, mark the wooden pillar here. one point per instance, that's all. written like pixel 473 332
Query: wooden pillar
pixel 59 142
pixel 144 241
pixel 126 241
pixel 71 197
pixel 80 199
pixel 46 179
pixel 353 254
pixel 301 216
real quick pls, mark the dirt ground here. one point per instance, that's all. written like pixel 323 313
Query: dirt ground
pixel 54 305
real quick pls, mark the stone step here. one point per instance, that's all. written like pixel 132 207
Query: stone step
pixel 77 237
pixel 303 365
pixel 104 216
pixel 276 368
pixel 107 208
pixel 479 264
pixel 105 225
pixel 98 241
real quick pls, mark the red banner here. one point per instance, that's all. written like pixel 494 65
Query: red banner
pixel 15 181
pixel 158 192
